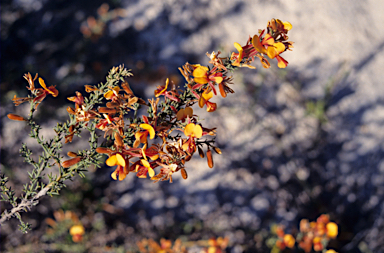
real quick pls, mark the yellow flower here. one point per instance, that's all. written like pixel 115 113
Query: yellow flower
pixel 193 131
pixel 289 241
pixel 202 75
pixel 51 90
pixel 204 100
pixel 77 232
pixel 332 229
pixel 141 135
pixel 240 57
pixel 111 93
pixel 161 89
pixel 122 169
pixel 146 164
pixel 330 251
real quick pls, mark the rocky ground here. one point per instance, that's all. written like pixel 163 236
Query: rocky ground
pixel 296 142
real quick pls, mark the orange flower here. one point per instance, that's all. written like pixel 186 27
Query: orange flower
pixel 148 167
pixel 202 75
pixel 268 46
pixel 122 168
pixel 162 90
pixel 241 55
pixel 204 100
pixel 42 93
pixel 289 241
pixel 77 232
pixel 112 93
pixel 192 131
pixel 141 135
pixel 332 229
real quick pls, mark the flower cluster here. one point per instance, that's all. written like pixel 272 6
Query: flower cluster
pixel 317 233
pixel 312 235
pixel 213 245
pixel 64 221
pixel 159 144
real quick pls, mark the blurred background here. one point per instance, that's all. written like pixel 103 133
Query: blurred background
pixel 296 142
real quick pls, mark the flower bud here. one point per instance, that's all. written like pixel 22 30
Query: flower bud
pixel 70 162
pixel 107 110
pixel 184 173
pixel 112 104
pixel 119 141
pixel 102 150
pixel 15 117
pixel 201 152
pixel 217 150
pixel 72 154
pixel 209 158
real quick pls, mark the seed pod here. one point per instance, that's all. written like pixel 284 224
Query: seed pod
pixel 102 150
pixel 184 173
pixel 222 90
pixel 107 110
pixel 15 117
pixel 217 150
pixel 70 162
pixel 112 104
pixel 119 141
pixel 209 158
pixel 72 154
pixel 201 152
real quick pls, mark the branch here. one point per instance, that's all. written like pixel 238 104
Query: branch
pixel 25 204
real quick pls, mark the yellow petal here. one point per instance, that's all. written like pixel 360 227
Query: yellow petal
pixel 218 79
pixel 154 157
pixel 76 230
pixel 42 83
pixel 108 94
pixel 240 49
pixel 200 71
pixel 279 47
pixel 197 131
pixel 257 45
pixel 150 129
pixel 287 25
pixel 189 129
pixel 122 176
pixel 113 175
pixel 271 52
pixel 111 161
pixel 201 80
pixel 120 160
pixel 268 39
pixel 207 95
pixel 145 163
pixel 332 229
pixel 151 172
pixel 185 146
